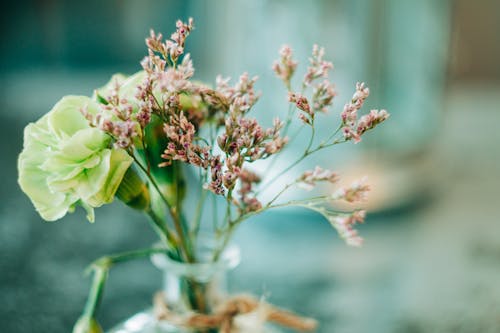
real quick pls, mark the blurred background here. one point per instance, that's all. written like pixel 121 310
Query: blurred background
pixel 431 260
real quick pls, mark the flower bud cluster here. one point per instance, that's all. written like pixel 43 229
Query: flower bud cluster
pixel 285 67
pixel 242 97
pixel 350 113
pixel 322 97
pixel 344 224
pixel 369 121
pixel 242 141
pixel 356 192
pixel 115 117
pixel 181 147
pixel 318 67
pixel 309 178
pixel 322 93
pixel 352 128
pixel 302 104
pixel 249 202
pixel 170 49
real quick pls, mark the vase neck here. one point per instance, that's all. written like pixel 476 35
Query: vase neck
pixel 196 287
pixel 187 294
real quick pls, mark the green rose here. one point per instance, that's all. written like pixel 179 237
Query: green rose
pixel 65 162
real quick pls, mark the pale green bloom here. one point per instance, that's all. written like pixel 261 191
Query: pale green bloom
pixel 65 162
pixel 128 86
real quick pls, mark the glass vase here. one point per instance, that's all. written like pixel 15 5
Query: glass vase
pixel 187 288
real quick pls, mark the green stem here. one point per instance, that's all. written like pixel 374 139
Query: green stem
pixel 146 150
pixel 101 268
pixel 227 236
pixel 280 193
pixel 96 292
pixel 302 203
pixel 176 218
pixel 311 139
pixel 308 152
pixel 233 224
pixel 215 214
pixel 197 217
pixel 265 186
pixel 229 198
pixel 161 229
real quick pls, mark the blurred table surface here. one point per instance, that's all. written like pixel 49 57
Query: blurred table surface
pixel 434 267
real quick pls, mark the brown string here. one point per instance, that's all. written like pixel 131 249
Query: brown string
pixel 224 315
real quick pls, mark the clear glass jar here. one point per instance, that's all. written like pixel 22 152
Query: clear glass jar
pixel 188 287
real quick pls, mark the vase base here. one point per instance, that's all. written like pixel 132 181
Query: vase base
pixel 145 322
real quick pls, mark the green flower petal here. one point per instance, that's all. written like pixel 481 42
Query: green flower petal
pixel 65 118
pixel 84 144
pixel 119 163
pixel 66 162
pixel 32 180
pixel 129 87
pixel 108 88
pixel 92 180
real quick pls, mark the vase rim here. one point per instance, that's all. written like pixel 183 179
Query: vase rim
pixel 229 259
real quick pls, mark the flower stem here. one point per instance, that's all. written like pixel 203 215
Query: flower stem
pixel 96 292
pixel 308 152
pixel 176 217
pixel 197 217
pixel 101 268
pixel 161 229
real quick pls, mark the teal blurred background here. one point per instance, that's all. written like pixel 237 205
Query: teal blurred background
pixel 431 262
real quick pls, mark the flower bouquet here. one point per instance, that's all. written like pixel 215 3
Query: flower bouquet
pixel 141 138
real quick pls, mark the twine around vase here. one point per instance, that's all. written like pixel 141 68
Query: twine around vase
pixel 226 314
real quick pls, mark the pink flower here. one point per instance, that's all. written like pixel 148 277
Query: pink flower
pixel 181 132
pixel 344 224
pixel 309 178
pixel 323 95
pixel 301 102
pixel 216 184
pixel 349 114
pixel 318 67
pixel 285 67
pixel 353 128
pixel 371 120
pixel 355 193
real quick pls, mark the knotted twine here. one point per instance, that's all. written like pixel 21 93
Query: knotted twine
pixel 237 314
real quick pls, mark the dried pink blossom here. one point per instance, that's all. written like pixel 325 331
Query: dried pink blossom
pixel 242 97
pixel 371 120
pixel 300 101
pixel 356 192
pixel 350 134
pixel 251 204
pixel 247 179
pixel 115 117
pixel 216 184
pixel 180 131
pixel 353 128
pixel 302 104
pixel 349 114
pixel 285 67
pixel 352 238
pixel 344 224
pixel 318 67
pixel 309 178
pixel 322 97
pixel 245 137
pixel 172 81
